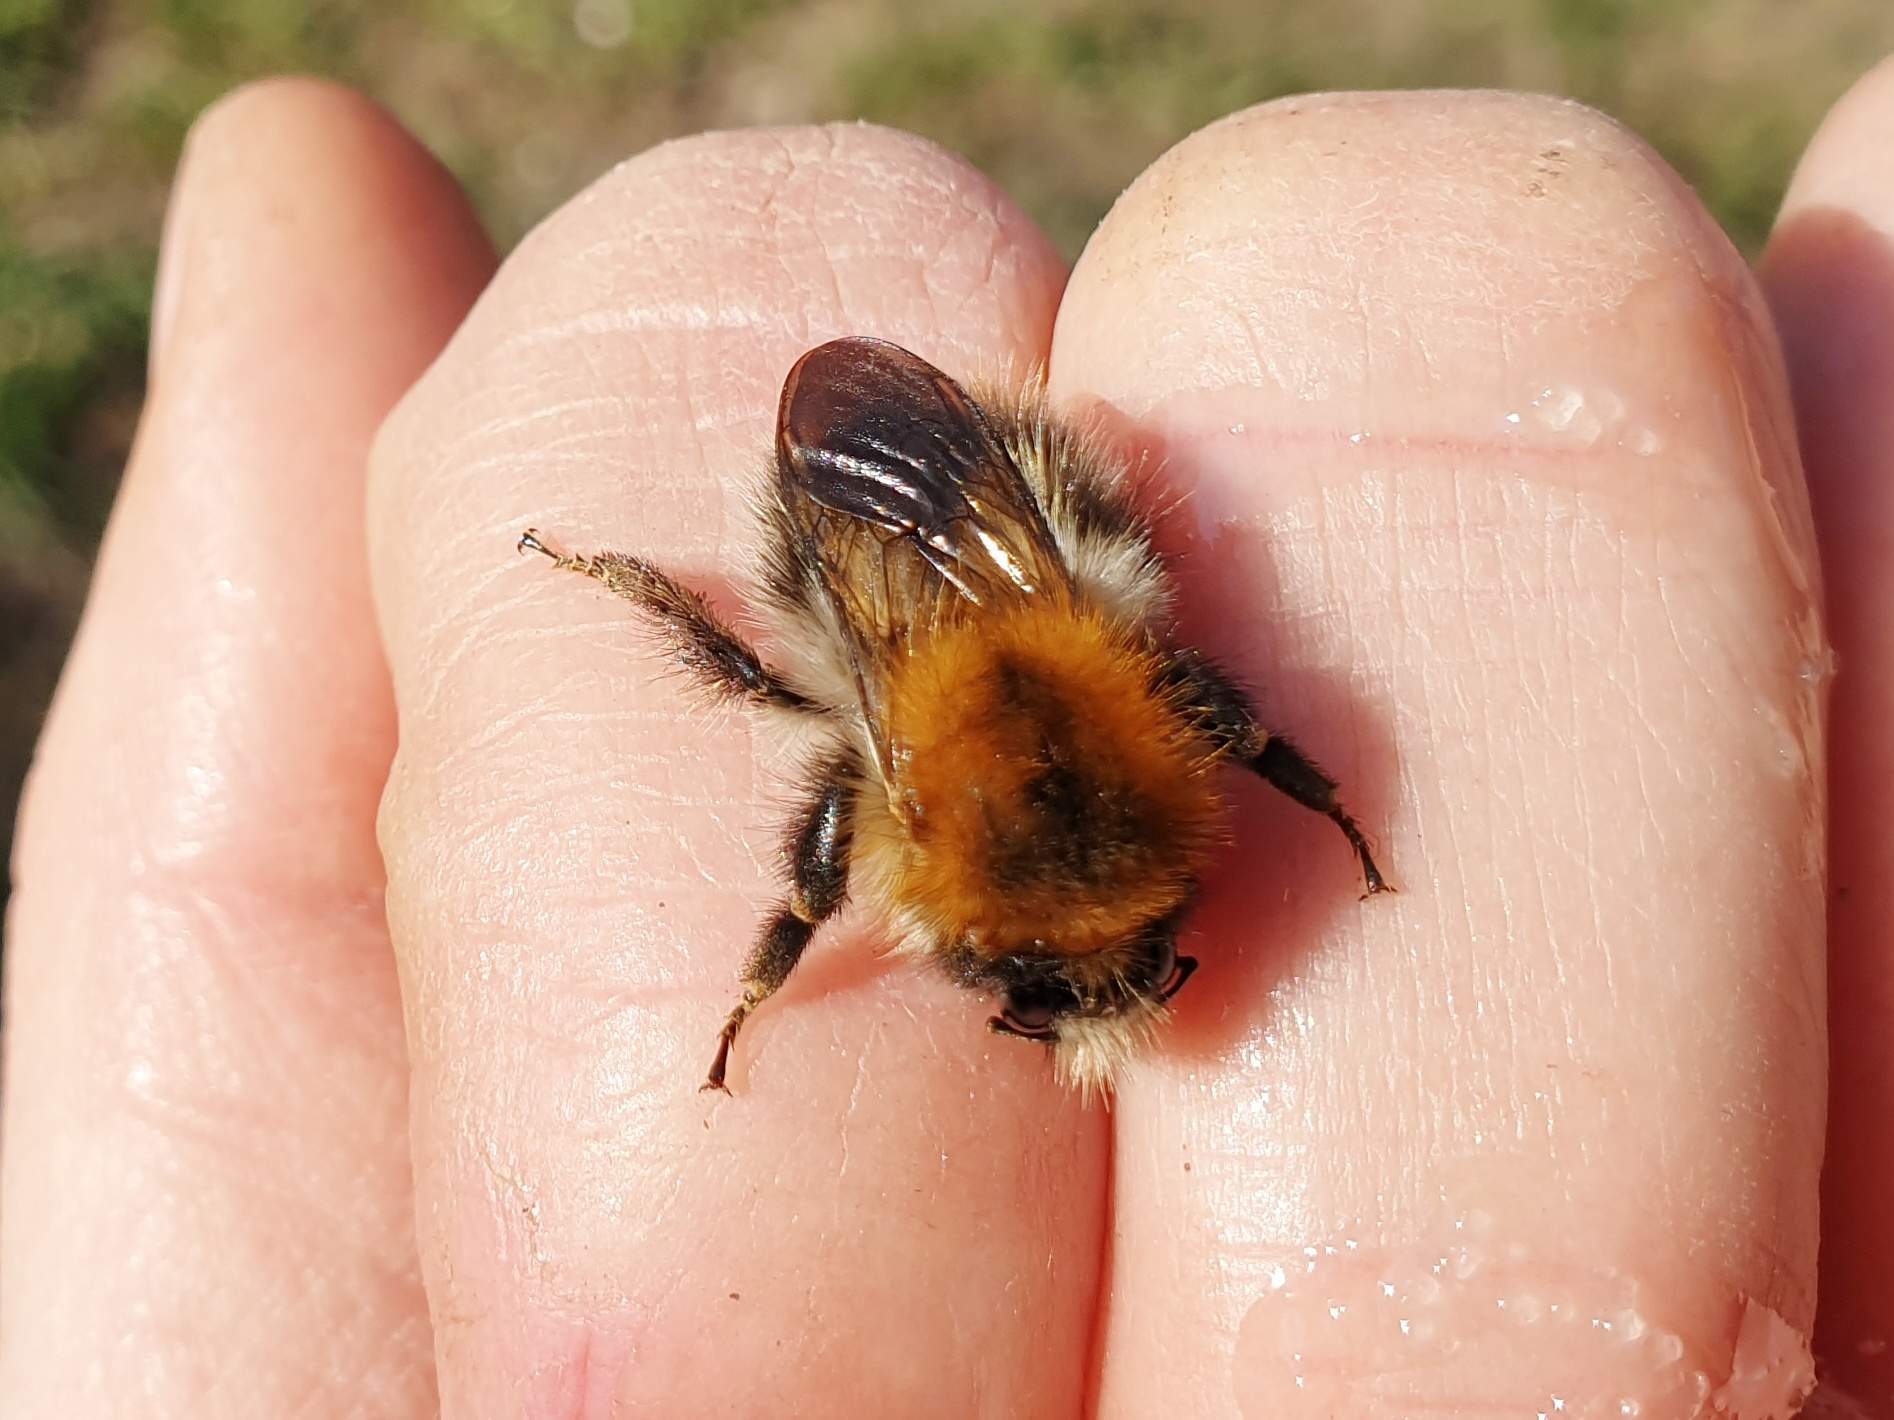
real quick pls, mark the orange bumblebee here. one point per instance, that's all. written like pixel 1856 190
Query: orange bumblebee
pixel 1015 763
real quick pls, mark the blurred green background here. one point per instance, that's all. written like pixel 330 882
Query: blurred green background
pixel 1063 101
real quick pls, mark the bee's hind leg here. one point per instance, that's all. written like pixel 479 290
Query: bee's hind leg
pixel 1288 769
pixel 817 849
pixel 701 642
pixel 1226 717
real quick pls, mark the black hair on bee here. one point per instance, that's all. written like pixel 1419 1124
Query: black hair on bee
pixel 1015 761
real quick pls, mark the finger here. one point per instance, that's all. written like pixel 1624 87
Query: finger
pixel 1491 494
pixel 1829 273
pixel 892 1214
pixel 205 1187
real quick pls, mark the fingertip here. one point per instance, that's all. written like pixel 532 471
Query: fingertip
pixel 281 184
pixel 1848 163
pixel 316 258
pixel 1342 249
pixel 1829 272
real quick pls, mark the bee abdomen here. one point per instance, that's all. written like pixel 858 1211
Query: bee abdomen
pixel 1057 797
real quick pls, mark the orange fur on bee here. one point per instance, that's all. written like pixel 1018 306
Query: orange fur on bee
pixel 1052 800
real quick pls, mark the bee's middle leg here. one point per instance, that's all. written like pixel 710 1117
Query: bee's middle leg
pixel 817 849
pixel 701 641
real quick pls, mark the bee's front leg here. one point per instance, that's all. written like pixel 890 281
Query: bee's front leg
pixel 817 851
pixel 700 641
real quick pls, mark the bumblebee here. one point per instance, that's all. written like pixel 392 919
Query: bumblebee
pixel 1015 761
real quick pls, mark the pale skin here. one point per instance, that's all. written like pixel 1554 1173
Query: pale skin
pixel 1566 665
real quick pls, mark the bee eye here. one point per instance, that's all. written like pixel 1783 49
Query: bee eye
pixel 1029 1015
pixel 1029 1011
pixel 1164 959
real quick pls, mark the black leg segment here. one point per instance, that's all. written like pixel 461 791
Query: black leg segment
pixel 1216 705
pixel 1295 774
pixel 817 850
pixel 1224 716
pixel 710 650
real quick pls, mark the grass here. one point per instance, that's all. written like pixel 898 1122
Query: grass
pixel 1063 101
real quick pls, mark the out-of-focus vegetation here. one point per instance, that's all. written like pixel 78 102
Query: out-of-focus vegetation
pixel 526 100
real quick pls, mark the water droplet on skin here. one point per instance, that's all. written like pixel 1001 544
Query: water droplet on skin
pixel 1387 1314
pixel 1560 407
pixel 1583 418
pixel 1564 409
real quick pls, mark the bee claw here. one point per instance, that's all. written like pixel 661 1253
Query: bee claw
pixel 717 1085
pixel 530 542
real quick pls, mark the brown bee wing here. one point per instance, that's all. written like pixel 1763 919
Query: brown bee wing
pixel 904 505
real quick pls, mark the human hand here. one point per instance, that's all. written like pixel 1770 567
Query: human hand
pixel 1567 664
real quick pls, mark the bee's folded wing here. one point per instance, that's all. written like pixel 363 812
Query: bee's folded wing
pixel 901 504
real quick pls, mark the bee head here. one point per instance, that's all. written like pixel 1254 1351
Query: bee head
pixel 1093 1018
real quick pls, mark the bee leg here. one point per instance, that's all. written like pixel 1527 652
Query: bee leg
pixel 701 642
pixel 1295 774
pixel 818 850
pixel 1225 717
